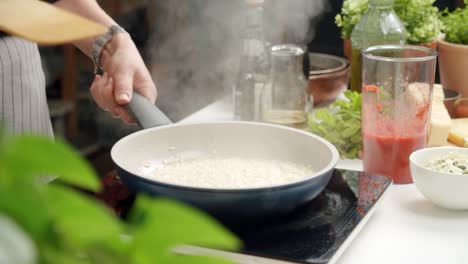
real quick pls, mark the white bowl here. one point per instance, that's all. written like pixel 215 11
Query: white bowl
pixel 443 189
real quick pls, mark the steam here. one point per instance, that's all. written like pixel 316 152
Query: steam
pixel 195 45
pixel 293 21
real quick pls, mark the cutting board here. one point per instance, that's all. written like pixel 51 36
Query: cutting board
pixel 459 132
pixel 44 23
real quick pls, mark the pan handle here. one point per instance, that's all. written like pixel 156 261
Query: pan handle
pixel 147 114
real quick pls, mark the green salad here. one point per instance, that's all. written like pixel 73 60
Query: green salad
pixel 340 124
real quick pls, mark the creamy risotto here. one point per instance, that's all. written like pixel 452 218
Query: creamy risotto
pixel 228 173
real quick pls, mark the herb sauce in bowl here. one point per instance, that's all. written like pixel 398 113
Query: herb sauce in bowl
pixel 440 173
pixel 452 162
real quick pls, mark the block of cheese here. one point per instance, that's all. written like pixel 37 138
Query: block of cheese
pixel 440 122
pixel 459 132
pixel 438 94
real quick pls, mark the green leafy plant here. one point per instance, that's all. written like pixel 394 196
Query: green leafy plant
pixel 420 18
pixel 351 13
pixel 55 223
pixel 456 25
pixel 341 125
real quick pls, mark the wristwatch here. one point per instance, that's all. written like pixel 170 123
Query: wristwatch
pixel 99 44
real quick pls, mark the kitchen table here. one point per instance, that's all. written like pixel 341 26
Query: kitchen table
pixel 405 227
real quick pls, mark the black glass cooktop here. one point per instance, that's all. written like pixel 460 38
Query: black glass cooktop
pixel 316 232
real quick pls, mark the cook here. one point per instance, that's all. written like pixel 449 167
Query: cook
pixel 23 103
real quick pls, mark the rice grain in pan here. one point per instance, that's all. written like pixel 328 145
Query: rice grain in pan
pixel 229 173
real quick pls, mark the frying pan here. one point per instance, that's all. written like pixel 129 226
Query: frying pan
pixel 226 139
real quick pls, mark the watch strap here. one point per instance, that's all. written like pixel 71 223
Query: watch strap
pixel 99 44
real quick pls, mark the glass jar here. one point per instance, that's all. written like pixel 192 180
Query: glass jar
pixel 285 99
pixel 379 25
pixel 254 64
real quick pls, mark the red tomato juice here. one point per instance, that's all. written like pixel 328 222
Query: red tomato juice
pixel 389 155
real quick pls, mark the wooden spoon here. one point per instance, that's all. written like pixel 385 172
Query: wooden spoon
pixel 44 23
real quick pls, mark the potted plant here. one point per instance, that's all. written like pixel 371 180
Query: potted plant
pixel 453 50
pixel 351 13
pixel 420 18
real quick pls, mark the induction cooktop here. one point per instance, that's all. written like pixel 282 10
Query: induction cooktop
pixel 317 232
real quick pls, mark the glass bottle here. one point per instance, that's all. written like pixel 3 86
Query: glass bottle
pixel 254 64
pixel 285 99
pixel 379 25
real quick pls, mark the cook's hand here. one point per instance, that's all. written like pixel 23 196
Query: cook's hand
pixel 124 71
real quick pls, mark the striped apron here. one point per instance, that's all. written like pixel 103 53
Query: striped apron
pixel 23 103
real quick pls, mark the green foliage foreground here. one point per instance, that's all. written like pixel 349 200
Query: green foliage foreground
pixel 52 223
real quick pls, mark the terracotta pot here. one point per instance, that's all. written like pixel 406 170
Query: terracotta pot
pixel 431 45
pixel 347 48
pixel 453 66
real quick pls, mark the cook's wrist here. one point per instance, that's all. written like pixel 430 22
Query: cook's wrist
pixel 117 41
pixel 106 44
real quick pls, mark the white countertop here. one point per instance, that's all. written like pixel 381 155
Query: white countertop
pixel 405 228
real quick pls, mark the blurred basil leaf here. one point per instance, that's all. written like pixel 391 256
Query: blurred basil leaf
pixel 155 216
pixel 70 227
pixel 80 220
pixel 31 156
pixel 25 204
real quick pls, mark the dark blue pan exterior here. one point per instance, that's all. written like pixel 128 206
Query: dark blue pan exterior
pixel 234 205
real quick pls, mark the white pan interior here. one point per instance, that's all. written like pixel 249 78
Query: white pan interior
pixel 224 140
